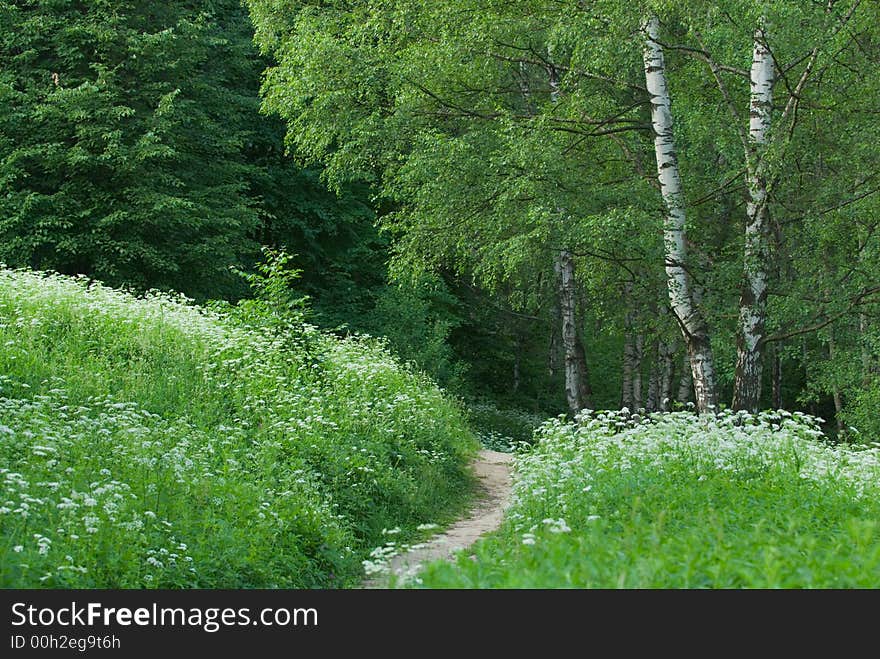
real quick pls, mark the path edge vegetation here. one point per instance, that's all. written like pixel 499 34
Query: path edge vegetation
pixel 149 442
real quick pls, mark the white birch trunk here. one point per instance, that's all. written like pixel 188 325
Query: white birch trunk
pixel 756 256
pixel 567 298
pixel 691 322
pixel 574 362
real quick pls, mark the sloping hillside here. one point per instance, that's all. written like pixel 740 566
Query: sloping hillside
pixel 147 442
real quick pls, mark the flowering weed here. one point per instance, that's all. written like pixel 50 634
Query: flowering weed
pixel 677 501
pixel 147 442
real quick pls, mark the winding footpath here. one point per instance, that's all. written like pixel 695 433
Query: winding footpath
pixel 492 470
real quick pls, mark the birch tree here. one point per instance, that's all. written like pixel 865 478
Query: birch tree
pixel 756 259
pixel 462 117
pixel 689 316
pixel 765 138
pixel 576 382
pixel 493 171
pixel 574 356
pixel 764 147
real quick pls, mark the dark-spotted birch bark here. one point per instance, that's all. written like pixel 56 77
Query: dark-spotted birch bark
pixel 576 394
pixel 690 319
pixel 756 257
pixel 667 371
pixel 574 355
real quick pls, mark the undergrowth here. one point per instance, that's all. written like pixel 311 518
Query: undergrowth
pixel 675 500
pixel 148 442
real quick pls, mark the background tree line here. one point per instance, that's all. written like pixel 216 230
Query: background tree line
pixel 549 205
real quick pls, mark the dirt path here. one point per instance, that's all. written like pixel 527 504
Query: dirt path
pixel 493 471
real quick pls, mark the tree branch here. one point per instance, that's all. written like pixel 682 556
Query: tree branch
pixel 715 68
pixel 703 54
pixel 820 324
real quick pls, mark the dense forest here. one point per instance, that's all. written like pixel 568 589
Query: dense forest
pixel 546 208
pixel 477 182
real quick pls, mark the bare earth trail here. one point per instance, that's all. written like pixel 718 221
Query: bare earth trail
pixel 492 470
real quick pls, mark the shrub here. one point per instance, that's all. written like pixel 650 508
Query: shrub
pixel 502 429
pixel 860 415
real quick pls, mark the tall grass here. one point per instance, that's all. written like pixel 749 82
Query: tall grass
pixel 147 442
pixel 676 501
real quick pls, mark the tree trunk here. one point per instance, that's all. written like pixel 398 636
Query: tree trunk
pixel 574 377
pixel 838 408
pixel 629 348
pixel 667 370
pixel 652 401
pixel 660 381
pixel 586 391
pixel 686 382
pixel 639 351
pixel 776 377
pixel 756 256
pixel 835 392
pixel 576 385
pixel 690 319
pixel 626 395
pixel 865 352
pixel 554 357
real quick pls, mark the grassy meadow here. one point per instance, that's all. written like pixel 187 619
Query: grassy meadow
pixel 671 500
pixel 148 442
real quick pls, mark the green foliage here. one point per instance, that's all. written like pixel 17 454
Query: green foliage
pixel 672 501
pixel 273 285
pixel 488 169
pixel 126 129
pixel 337 245
pixel 860 418
pixel 464 144
pixel 476 162
pixel 152 443
pixel 416 318
pixel 502 429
